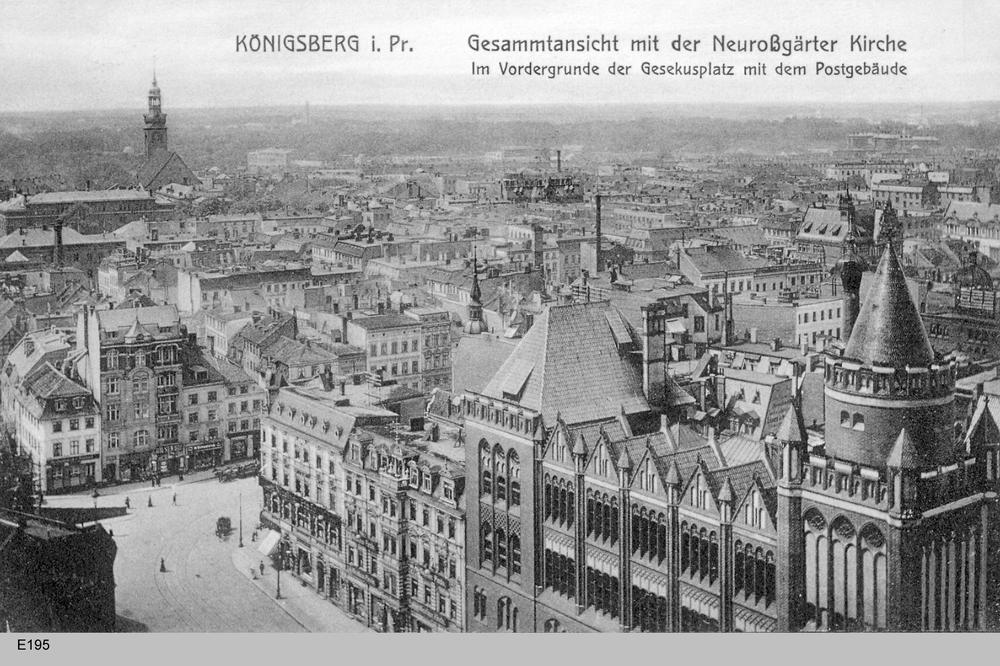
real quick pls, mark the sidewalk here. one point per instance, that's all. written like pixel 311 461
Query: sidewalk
pixel 133 490
pixel 314 613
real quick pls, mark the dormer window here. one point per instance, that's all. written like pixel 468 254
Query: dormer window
pixel 427 482
pixel 414 476
pixel 60 405
pixel 77 403
pixel 449 491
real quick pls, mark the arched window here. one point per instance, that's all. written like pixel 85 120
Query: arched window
pixel 486 468
pixel 685 548
pixel 487 543
pixel 140 383
pixel 858 422
pixel 501 548
pixel 500 473
pixel 845 418
pixel 760 575
pixel 738 567
pixel 514 470
pixel 548 490
pixel 713 557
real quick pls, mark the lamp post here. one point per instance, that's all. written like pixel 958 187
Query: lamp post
pixel 278 568
pixel 241 520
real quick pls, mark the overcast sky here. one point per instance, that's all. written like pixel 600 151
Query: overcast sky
pixel 64 55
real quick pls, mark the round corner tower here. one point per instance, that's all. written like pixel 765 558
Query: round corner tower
pixel 887 379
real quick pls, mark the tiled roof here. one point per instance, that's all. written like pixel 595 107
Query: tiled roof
pixel 161 315
pixel 378 322
pixel 574 368
pixel 47 382
pixel 721 259
pixel 889 329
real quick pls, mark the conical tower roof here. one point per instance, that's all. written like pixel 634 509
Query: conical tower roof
pixel 889 330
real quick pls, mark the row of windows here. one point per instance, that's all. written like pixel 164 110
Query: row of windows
pixel 754 573
pixel 74 424
pixel 499 467
pixel 823 315
pixel 560 573
pixel 74 448
pixel 855 421
pixel 395 347
pixel 602 517
pixel 559 501
pixel 497 545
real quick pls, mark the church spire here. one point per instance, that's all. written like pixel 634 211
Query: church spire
pixel 475 325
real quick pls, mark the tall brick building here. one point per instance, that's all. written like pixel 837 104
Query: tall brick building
pixel 593 505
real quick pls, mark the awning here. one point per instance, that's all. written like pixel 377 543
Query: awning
pixel 676 326
pixel 268 543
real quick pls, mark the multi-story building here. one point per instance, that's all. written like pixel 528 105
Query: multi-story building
pixel 591 508
pixel 54 418
pixel 393 345
pixel 91 211
pixel 133 369
pixel 280 287
pixel 369 516
pixel 435 329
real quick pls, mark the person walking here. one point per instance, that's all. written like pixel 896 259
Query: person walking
pixel 163 565
pixel 150 502
pixel 128 504
pixel 262 567
pixel 175 499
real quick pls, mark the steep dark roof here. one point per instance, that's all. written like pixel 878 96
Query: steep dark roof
pixel 570 362
pixel 889 330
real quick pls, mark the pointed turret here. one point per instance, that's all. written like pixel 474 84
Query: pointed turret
pixel 475 325
pixel 624 460
pixel 792 428
pixel 580 446
pixel 673 475
pixel 904 453
pixel 889 331
pixel 726 493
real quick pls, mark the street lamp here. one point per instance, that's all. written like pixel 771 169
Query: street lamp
pixel 278 568
pixel 241 520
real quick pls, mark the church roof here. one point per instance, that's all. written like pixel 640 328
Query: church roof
pixel 156 163
pixel 889 330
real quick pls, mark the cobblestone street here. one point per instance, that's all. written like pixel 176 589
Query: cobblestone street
pixel 207 586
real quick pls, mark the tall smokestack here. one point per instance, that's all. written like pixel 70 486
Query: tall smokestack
pixel 558 161
pixel 597 230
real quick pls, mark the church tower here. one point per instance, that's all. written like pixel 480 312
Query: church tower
pixel 475 325
pixel 156 123
pixel 891 524
pixel 850 268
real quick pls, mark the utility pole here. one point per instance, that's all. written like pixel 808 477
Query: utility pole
pixel 280 557
pixel 241 520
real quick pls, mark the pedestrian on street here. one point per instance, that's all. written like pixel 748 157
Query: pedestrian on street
pixel 150 503
pixel 152 482
pixel 175 499
pixel 253 574
pixel 127 504
pixel 163 566
pixel 262 567
pixel 253 537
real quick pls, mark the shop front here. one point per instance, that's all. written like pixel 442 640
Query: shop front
pixel 133 466
pixel 239 449
pixel 63 474
pixel 170 459
pixel 204 456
